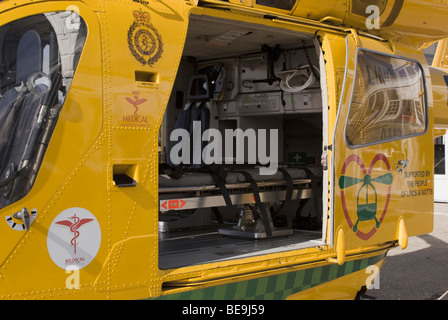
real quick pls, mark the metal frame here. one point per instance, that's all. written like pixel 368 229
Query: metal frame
pixel 217 200
pixel 174 200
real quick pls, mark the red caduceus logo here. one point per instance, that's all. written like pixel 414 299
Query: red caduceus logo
pixel 135 100
pixel 74 226
pixel 366 193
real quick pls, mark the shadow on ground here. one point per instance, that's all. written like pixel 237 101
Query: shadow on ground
pixel 418 275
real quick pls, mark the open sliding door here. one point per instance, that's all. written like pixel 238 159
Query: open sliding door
pixel 382 148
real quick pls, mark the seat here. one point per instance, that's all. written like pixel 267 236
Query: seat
pixel 176 188
pixel 196 109
pixel 17 102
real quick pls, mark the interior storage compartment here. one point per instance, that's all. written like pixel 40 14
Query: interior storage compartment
pixel 240 148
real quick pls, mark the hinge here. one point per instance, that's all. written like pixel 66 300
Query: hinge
pixel 324 158
pixel 354 35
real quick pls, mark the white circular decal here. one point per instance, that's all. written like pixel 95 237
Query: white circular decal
pixel 74 238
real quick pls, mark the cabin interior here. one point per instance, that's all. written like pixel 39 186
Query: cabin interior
pixel 216 202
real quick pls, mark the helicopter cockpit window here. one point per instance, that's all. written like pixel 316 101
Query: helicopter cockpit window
pixel 388 102
pixel 38 59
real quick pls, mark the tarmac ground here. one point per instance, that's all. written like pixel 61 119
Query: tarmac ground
pixel 420 272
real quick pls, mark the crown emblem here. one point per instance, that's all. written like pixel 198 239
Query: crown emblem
pixel 141 17
pixel 144 41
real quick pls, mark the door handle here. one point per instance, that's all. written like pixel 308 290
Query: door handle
pixel 401 165
pixel 23 215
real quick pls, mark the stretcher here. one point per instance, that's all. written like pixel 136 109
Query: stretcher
pixel 190 200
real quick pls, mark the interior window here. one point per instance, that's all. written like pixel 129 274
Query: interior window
pixel 389 100
pixel 38 59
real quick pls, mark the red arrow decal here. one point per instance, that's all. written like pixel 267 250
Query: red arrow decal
pixel 173 204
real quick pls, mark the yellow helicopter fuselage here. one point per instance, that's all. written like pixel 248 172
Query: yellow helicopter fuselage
pixel 91 207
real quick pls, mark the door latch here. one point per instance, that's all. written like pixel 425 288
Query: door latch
pixel 401 165
pixel 324 157
pixel 23 215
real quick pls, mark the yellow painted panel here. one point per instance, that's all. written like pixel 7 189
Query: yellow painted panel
pixel 393 178
pixel 343 288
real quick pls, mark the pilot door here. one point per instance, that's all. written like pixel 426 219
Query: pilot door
pixel 40 110
pixel 383 155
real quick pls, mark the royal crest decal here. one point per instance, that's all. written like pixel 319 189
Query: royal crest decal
pixel 145 42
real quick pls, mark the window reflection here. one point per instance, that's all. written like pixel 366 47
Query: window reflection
pixel 38 59
pixel 388 100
